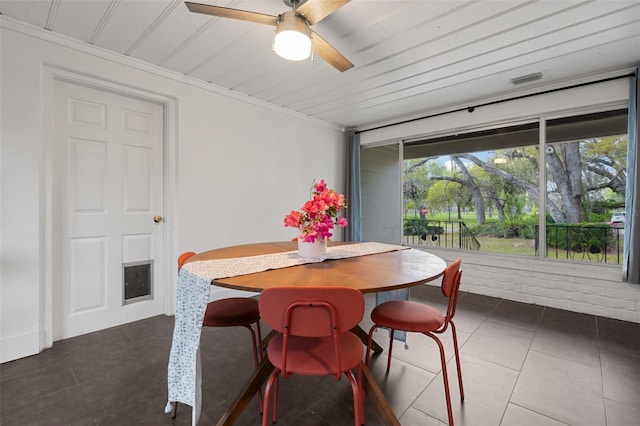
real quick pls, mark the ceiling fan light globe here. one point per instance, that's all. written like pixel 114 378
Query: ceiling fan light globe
pixel 292 45
pixel 293 37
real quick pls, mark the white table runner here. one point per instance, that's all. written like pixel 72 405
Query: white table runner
pixel 184 375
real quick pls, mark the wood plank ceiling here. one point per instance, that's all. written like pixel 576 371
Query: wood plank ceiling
pixel 411 57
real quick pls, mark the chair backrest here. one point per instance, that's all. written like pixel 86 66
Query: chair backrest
pixel 450 285
pixel 450 278
pixel 183 258
pixel 311 311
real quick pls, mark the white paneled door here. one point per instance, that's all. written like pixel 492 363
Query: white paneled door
pixel 108 203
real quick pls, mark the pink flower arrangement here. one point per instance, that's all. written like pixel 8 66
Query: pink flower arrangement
pixel 318 216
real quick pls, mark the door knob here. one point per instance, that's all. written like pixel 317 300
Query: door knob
pixel 157 218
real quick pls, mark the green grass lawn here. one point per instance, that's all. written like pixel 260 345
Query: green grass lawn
pixel 507 245
pixel 525 247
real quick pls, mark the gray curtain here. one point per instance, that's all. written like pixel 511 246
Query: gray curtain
pixel 354 200
pixel 631 264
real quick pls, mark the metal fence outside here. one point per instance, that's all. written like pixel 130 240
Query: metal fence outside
pixel 601 243
pixel 439 233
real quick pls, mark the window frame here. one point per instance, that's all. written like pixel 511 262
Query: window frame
pixel 542 122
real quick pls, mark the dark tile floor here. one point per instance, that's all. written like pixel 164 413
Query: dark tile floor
pixel 522 365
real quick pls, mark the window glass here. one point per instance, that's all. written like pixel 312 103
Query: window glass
pixel 586 178
pixel 481 190
pixel 484 200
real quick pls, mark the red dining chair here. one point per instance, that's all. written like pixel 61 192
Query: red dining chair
pixel 313 338
pixel 232 312
pixel 420 318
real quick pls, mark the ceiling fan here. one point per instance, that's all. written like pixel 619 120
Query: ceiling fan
pixel 291 26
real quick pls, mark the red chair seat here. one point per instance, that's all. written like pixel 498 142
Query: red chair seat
pixel 407 316
pixel 301 360
pixel 233 311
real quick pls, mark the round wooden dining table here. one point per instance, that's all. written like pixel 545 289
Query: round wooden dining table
pixel 370 274
pixel 389 270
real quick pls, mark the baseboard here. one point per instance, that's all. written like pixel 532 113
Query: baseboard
pixel 19 347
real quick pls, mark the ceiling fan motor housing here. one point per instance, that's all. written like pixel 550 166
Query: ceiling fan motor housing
pixel 291 21
pixel 291 3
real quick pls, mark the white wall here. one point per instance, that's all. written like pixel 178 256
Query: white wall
pixel 588 288
pixel 240 166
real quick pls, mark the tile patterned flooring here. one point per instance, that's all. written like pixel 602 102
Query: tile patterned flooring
pixel 521 364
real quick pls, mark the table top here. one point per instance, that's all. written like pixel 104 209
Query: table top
pixel 369 274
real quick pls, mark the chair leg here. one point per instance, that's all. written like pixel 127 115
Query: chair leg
pixel 369 344
pixel 390 348
pixel 256 359
pixel 445 377
pixel 267 394
pixel 261 349
pixel 275 400
pixel 358 412
pixel 260 357
pixel 174 410
pixel 455 348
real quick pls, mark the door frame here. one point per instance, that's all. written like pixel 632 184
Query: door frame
pixel 49 271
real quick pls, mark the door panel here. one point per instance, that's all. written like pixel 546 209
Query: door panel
pixel 108 168
pixel 87 168
pixel 87 286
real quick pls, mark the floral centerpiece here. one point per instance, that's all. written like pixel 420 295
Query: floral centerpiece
pixel 318 216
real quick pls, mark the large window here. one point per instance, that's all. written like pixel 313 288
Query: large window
pixel 484 191
pixel 586 163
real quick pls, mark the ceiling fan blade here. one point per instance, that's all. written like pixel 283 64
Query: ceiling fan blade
pixel 225 12
pixel 329 53
pixel 316 10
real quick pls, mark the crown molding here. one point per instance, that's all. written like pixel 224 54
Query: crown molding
pixel 32 31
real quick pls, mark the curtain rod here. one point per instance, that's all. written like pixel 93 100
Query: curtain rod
pixel 470 108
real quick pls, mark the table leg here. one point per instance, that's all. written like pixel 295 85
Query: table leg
pixel 377 399
pixel 259 377
pixel 267 339
pixel 358 331
pixel 265 369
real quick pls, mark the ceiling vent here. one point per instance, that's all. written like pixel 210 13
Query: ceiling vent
pixel 526 78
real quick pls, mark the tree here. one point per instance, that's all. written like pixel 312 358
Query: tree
pixel 565 168
pixel 522 162
pixel 606 163
pixel 416 192
pixel 443 194
pixel 466 180
pixel 529 187
pixel 576 170
pixel 416 184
